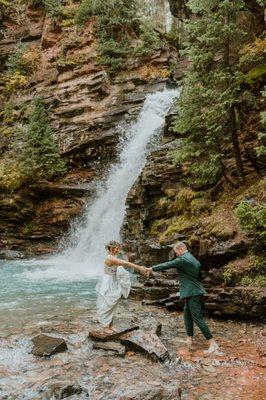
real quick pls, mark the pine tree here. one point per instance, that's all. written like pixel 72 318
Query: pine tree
pixel 40 157
pixel 212 93
pixel 117 21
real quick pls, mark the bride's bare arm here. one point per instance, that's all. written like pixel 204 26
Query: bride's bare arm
pixel 113 261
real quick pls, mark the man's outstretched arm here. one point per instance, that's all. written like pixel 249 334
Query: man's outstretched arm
pixel 176 263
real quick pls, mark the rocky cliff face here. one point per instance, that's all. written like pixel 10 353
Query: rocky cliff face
pixel 86 107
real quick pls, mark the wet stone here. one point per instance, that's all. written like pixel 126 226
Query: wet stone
pixel 101 336
pixel 147 343
pixel 66 391
pixel 153 326
pixel 149 393
pixel 114 347
pixel 46 346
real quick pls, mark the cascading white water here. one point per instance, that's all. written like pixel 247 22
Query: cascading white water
pixel 103 218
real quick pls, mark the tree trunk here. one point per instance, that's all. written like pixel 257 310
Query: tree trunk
pixel 235 142
pixel 223 168
pixel 232 126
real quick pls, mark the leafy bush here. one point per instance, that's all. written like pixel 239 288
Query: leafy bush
pixel 253 220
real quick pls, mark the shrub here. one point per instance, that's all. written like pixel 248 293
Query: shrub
pixel 239 273
pixel 21 62
pixel 252 218
pixel 259 280
pixel 15 81
pixel 11 176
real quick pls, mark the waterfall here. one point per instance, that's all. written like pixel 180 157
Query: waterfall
pixel 103 218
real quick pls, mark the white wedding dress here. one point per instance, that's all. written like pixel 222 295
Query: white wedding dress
pixel 114 284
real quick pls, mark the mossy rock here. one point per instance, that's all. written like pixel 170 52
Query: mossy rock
pixel 221 229
pixel 177 225
pixel 200 205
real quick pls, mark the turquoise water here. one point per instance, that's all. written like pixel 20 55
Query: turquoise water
pixel 28 294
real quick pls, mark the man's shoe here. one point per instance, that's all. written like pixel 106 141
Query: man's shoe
pixel 213 347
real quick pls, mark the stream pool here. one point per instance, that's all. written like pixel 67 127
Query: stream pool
pixel 29 293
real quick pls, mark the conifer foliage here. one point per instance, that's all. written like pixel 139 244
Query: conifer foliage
pixel 213 93
pixel 40 156
pixel 117 26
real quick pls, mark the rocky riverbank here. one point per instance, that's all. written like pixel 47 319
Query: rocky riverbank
pixel 83 371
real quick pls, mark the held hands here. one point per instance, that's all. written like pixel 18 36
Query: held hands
pixel 148 272
pixel 145 271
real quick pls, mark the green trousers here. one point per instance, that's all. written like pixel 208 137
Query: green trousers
pixel 193 314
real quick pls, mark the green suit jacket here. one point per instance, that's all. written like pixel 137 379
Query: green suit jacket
pixel 188 268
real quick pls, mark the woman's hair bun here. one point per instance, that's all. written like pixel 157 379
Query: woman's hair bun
pixel 112 244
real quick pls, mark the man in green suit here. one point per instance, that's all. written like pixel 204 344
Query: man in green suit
pixel 191 290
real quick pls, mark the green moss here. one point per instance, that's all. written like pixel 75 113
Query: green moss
pixel 184 198
pixel 200 205
pixel 29 228
pixel 177 225
pixel 155 228
pixel 221 231
pixel 256 73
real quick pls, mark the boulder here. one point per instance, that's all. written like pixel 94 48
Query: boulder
pixel 114 347
pixel 146 342
pixel 46 346
pixel 101 336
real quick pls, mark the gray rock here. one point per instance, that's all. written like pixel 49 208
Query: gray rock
pixel 147 343
pixel 46 346
pixel 11 255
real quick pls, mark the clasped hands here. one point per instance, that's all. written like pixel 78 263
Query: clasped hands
pixel 145 271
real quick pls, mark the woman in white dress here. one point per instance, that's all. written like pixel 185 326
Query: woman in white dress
pixel 114 284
